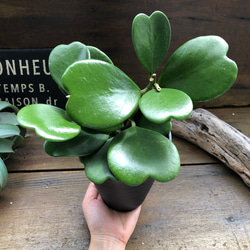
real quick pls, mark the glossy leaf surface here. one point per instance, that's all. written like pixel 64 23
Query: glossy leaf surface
pixel 137 153
pixel 62 56
pixel 8 130
pixel 151 38
pixel 110 129
pixel 97 54
pixel 163 128
pixel 51 123
pixel 96 165
pixel 3 174
pixel 83 144
pixel 168 103
pixel 101 95
pixel 200 68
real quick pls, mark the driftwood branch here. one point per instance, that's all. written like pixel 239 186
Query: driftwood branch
pixel 218 138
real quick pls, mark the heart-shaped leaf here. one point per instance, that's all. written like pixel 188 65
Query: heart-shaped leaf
pixel 163 128
pixel 96 165
pixel 166 104
pixel 137 153
pixel 97 54
pixel 200 68
pixel 101 95
pixel 62 56
pixel 151 39
pixel 83 144
pixel 51 123
pixel 3 174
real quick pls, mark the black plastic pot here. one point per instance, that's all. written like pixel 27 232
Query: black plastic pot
pixel 122 197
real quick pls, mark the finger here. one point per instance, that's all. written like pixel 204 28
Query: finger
pixel 91 193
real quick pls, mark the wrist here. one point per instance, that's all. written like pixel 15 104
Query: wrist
pixel 106 242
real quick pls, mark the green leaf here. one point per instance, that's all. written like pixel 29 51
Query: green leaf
pixel 101 95
pixel 97 54
pixel 17 140
pixel 51 123
pixel 4 105
pixel 163 128
pixel 96 166
pixel 137 153
pixel 200 68
pixel 166 104
pixel 151 37
pixel 62 56
pixel 110 129
pixel 8 130
pixel 8 117
pixel 3 174
pixel 6 146
pixel 83 144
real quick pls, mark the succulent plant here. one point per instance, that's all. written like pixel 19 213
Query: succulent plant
pixel 117 129
pixel 11 136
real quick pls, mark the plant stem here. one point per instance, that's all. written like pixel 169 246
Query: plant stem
pixel 157 87
pixel 133 124
pixel 152 81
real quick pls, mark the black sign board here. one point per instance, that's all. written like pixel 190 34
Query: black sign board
pixel 25 78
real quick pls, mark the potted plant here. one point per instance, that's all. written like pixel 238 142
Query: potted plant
pixel 119 131
pixel 11 136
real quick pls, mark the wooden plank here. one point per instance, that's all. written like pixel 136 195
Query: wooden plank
pixel 236 117
pixel 43 211
pixel 205 207
pixel 218 138
pixel 191 154
pixel 29 24
pixel 31 157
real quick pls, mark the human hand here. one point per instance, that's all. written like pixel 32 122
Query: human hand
pixel 109 229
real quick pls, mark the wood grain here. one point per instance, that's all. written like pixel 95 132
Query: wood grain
pixel 31 157
pixel 239 117
pixel 218 138
pixel 43 24
pixel 43 211
pixel 205 207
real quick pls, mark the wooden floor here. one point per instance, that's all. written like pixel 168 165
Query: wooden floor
pixel 206 207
